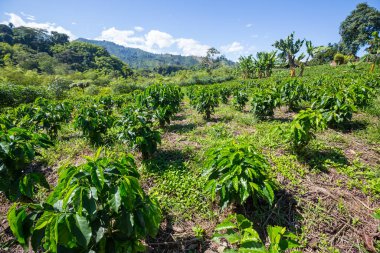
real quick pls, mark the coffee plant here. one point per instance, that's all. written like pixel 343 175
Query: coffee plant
pixel 94 121
pixel 96 207
pixel 236 172
pixel 302 128
pixel 241 237
pixel 205 102
pixel 240 99
pixel 18 148
pixel 263 104
pixel 136 127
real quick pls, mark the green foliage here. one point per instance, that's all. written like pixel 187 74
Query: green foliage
pixel 163 100
pixel 94 121
pixel 240 99
pixel 337 108
pixel 292 92
pixel 95 207
pixel 14 95
pixel 137 129
pixel 205 100
pixel 360 94
pixel 51 115
pixel 356 30
pixel 264 63
pixel 246 66
pixel 241 237
pixel 289 47
pixel 236 172
pixel 302 128
pixel 339 58
pixel 225 93
pixel 263 104
pixel 18 148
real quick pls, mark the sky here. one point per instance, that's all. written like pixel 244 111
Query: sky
pixel 186 27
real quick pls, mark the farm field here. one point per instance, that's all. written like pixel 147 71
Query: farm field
pixel 325 193
pixel 197 127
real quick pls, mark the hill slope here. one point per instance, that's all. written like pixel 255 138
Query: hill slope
pixel 137 58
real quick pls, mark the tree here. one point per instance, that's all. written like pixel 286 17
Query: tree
pixel 289 47
pixel 356 30
pixel 209 61
pixel 264 63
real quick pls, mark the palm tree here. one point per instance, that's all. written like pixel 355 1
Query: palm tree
pixel 309 49
pixel 289 47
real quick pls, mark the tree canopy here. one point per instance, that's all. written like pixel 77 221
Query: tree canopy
pixel 356 30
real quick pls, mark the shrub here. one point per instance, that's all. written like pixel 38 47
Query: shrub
pixel 94 121
pixel 337 108
pixel 14 95
pixel 263 104
pixel 95 207
pixel 225 93
pixel 302 128
pixel 240 99
pixel 236 172
pixel 339 58
pixel 241 237
pixel 17 151
pixel 292 92
pixel 137 128
pixel 205 102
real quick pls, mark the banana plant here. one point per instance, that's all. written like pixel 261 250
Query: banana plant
pixel 264 63
pixel 96 207
pixel 246 66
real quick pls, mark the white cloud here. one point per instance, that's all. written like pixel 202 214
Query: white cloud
pixel 154 41
pixel 19 21
pixel 139 28
pixel 233 47
pixel 192 47
pixel 248 25
pixel 28 17
pixel 73 23
pixel 161 39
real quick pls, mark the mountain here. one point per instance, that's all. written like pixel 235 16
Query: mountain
pixel 137 58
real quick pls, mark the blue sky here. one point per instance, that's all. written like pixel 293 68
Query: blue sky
pixel 186 27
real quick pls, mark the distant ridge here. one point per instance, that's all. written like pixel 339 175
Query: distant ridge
pixel 137 58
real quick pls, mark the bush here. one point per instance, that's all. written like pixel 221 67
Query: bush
pixel 205 102
pixel 17 150
pixel 93 121
pixel 137 129
pixel 339 58
pixel 303 126
pixel 123 88
pixel 240 99
pixel 241 237
pixel 263 104
pixel 14 95
pixel 236 172
pixel 95 207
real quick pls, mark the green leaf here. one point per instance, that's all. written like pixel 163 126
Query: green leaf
pixel 85 230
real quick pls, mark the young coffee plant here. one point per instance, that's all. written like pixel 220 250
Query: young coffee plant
pixel 302 128
pixel 337 108
pixel 163 100
pixel 50 115
pixel 136 127
pixel 292 93
pixel 225 93
pixel 360 94
pixel 17 151
pixel 263 104
pixel 95 207
pixel 236 172
pixel 94 121
pixel 241 237
pixel 205 102
pixel 240 99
